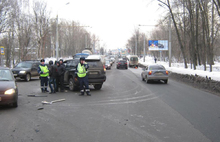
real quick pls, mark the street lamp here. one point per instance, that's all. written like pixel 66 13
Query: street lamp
pixel 57 42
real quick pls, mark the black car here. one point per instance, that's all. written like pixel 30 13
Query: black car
pixel 122 64
pixel 26 70
pixel 8 88
pixel 96 73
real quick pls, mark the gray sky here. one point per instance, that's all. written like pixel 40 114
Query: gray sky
pixel 113 21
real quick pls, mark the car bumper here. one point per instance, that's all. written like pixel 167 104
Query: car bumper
pixel 19 75
pixel 157 77
pixel 8 99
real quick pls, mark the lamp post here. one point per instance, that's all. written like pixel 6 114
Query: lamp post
pixel 57 35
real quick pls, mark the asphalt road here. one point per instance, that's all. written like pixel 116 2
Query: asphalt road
pixel 126 109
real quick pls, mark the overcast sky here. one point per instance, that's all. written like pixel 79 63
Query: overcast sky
pixel 113 21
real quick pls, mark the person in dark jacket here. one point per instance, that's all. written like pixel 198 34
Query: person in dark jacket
pixel 53 75
pixel 81 71
pixel 61 70
pixel 44 73
pixel 57 63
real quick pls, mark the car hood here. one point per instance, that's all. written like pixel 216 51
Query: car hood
pixel 20 69
pixel 5 85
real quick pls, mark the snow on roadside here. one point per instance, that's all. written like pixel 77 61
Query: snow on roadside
pixel 179 68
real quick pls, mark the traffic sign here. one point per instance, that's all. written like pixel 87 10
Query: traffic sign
pixel 2 50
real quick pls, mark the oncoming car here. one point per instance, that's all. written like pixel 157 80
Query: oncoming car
pixel 8 88
pixel 154 73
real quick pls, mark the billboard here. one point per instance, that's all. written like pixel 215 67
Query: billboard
pixel 157 45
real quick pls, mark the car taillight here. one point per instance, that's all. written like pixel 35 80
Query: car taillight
pixel 104 66
pixel 125 63
pixel 150 72
pixel 119 63
pixel 167 72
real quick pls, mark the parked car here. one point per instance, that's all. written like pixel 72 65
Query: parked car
pixel 154 73
pixel 96 73
pixel 8 88
pixel 26 70
pixel 133 60
pixel 107 64
pixel 122 64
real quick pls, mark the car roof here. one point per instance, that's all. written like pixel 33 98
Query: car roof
pixel 93 57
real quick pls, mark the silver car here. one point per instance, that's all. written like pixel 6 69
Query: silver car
pixel 154 73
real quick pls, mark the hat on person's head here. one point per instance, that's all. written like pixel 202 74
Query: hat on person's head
pixel 61 60
pixel 42 60
pixel 50 62
pixel 82 58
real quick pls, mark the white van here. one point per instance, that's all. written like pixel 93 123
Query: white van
pixel 133 60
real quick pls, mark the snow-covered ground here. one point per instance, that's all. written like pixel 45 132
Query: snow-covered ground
pixel 179 68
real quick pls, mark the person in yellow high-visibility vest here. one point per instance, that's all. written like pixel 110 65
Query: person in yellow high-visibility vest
pixel 81 71
pixel 44 73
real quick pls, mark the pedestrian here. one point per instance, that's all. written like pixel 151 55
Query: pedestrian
pixel 81 71
pixel 61 71
pixel 155 59
pixel 44 73
pixel 57 64
pixel 53 75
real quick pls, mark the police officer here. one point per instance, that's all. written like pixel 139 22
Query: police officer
pixel 81 70
pixel 53 75
pixel 44 73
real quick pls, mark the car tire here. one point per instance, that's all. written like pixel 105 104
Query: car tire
pixel 165 81
pixel 15 104
pixel 28 77
pixel 72 87
pixel 98 86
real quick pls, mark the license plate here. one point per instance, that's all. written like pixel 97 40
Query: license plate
pixel 93 73
pixel 15 75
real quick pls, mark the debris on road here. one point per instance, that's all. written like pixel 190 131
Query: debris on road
pixel 60 100
pixel 40 108
pixel 37 95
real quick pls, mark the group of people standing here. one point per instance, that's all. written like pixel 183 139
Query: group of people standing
pixel 56 76
pixel 55 72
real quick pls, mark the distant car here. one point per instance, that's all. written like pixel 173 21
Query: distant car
pixel 107 64
pixel 154 73
pixel 26 70
pixel 133 60
pixel 8 88
pixel 78 55
pixel 122 64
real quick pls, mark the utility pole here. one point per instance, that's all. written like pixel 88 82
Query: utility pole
pixel 144 48
pixel 170 42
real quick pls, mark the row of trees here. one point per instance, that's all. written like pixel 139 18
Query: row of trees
pixel 28 32
pixel 195 31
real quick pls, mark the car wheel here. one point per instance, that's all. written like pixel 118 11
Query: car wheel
pixel 165 81
pixel 28 77
pixel 71 84
pixel 15 104
pixel 98 86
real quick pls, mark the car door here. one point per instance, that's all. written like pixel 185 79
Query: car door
pixel 34 69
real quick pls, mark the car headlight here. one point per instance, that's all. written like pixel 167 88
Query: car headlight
pixel 9 91
pixel 22 72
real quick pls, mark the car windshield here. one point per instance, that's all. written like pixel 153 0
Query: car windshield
pixel 94 64
pixel 134 59
pixel 156 68
pixel 107 62
pixel 23 65
pixel 5 75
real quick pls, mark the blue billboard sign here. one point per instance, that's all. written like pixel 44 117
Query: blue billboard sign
pixel 157 45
